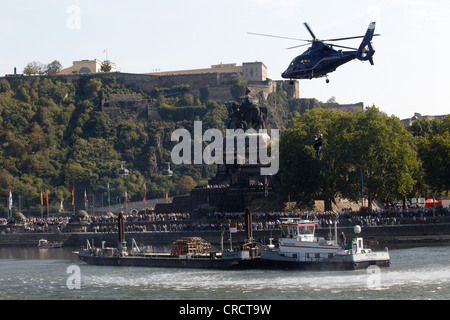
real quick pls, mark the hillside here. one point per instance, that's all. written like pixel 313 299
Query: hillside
pixel 55 135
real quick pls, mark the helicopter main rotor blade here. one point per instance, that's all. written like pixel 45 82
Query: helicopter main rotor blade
pixel 310 31
pixel 280 37
pixel 348 38
pixel 302 45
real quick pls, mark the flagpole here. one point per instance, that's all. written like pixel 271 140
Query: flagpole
pixel 145 191
pixel 42 206
pixel 109 199
pixel 47 203
pixel 126 202
pixel 73 198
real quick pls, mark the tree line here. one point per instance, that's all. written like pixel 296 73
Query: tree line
pixel 54 137
pixel 364 154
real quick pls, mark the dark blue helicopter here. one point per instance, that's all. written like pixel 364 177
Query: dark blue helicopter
pixel 321 59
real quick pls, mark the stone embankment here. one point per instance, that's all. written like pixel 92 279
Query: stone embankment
pixel 390 236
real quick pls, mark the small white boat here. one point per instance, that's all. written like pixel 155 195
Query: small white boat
pixel 44 244
pixel 298 248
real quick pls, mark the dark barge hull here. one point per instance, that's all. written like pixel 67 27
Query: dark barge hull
pixel 193 263
pixel 255 263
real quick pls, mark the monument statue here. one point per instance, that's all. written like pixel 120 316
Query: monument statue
pixel 246 115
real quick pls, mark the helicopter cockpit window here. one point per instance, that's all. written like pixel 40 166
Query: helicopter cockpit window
pixel 303 59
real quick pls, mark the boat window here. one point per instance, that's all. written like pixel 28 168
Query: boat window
pixel 306 229
pixel 289 231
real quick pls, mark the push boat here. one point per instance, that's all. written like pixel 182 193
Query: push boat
pixel 298 248
pixel 44 244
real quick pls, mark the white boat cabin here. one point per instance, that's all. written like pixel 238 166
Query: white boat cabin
pixel 299 229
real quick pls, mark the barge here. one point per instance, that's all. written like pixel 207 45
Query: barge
pixel 189 252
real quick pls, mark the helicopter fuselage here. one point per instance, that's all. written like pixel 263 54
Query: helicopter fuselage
pixel 319 60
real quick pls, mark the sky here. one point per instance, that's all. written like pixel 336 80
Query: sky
pixel 410 75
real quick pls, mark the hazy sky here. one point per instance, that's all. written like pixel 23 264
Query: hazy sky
pixel 412 65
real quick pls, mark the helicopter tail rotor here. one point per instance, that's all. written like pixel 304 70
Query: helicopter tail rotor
pixel 366 50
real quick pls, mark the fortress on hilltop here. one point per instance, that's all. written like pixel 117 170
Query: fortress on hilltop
pixel 214 83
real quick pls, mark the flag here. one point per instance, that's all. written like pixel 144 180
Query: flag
pixel 42 198
pixel 85 199
pixel 233 227
pixel 73 198
pixel 106 50
pixel 145 191
pixel 126 196
pixel 46 197
pixel 167 196
pixel 10 200
pixel 266 187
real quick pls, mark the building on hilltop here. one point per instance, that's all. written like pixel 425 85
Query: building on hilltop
pixel 251 71
pixel 87 67
pixel 345 107
pixel 216 80
pixel 408 122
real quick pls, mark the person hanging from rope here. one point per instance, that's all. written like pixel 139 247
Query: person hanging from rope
pixel 318 141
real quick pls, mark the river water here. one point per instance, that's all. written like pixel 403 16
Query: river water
pixel 32 273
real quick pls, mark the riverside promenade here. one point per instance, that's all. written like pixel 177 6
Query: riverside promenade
pixel 391 236
pixel 384 227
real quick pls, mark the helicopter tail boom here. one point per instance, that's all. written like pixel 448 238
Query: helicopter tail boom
pixel 366 50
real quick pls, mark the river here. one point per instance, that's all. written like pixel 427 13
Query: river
pixel 30 273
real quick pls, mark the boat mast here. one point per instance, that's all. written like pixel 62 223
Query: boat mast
pixel 122 245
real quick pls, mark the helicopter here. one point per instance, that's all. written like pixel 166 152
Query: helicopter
pixel 321 59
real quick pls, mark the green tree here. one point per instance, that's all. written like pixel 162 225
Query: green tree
pixel 307 176
pixel 106 66
pixel 368 141
pixel 33 68
pixel 186 184
pixel 53 67
pixel 434 152
pixel 384 152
